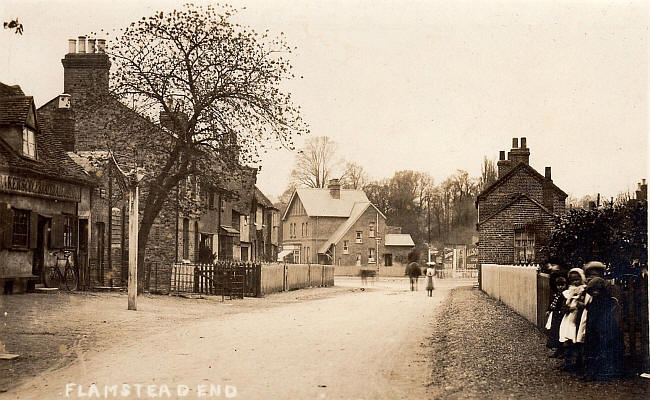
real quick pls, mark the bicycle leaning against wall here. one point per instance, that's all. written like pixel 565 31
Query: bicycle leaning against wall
pixel 63 274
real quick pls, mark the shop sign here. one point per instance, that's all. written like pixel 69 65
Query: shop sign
pixel 40 188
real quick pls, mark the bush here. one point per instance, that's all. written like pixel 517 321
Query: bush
pixel 615 235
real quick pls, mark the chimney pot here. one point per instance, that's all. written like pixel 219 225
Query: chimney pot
pixel 502 155
pixel 522 142
pixel 91 45
pixel 82 44
pixel 101 45
pixel 643 181
pixel 515 143
pixel 547 173
pixel 72 46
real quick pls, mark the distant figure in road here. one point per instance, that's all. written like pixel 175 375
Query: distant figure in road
pixel 430 272
pixel 414 272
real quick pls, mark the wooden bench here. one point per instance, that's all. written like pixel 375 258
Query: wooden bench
pixel 19 283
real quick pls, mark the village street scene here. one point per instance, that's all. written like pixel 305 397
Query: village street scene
pixel 333 200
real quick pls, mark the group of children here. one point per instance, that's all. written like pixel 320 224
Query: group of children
pixel 582 324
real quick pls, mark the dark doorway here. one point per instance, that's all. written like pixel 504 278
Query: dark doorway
pixel 388 260
pixel 82 257
pixel 99 228
pixel 42 242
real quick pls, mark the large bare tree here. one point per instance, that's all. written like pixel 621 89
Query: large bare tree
pixel 316 163
pixel 354 176
pixel 217 83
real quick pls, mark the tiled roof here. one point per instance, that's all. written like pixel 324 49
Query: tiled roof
pixel 6 90
pixel 357 210
pixel 51 161
pixel 402 239
pixel 319 202
pixel 262 199
pixel 14 109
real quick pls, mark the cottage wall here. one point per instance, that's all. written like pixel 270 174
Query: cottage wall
pixel 496 243
pixel 362 249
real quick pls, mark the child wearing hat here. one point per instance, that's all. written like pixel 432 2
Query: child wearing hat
pixel 573 307
pixel 603 348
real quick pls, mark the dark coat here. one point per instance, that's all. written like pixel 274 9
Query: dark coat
pixel 604 348
pixel 413 270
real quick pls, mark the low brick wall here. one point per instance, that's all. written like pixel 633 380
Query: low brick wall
pixel 515 286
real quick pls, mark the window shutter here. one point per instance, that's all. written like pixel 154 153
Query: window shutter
pixel 56 233
pixel 33 229
pixel 6 225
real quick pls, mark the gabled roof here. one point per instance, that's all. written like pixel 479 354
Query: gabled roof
pixel 401 239
pixel 262 199
pixel 14 109
pixel 14 90
pixel 515 201
pixel 319 202
pixel 510 173
pixel 51 161
pixel 357 211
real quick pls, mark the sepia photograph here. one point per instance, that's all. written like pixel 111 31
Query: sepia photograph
pixel 341 199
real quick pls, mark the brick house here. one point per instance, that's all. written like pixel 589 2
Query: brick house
pixel 340 227
pixel 44 194
pixel 515 213
pixel 264 224
pixel 197 218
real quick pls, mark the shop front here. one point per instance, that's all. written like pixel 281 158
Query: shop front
pixel 39 221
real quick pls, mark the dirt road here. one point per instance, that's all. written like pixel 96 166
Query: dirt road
pixel 356 345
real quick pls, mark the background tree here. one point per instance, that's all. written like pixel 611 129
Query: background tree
pixel 378 194
pixel 489 173
pixel 227 106
pixel 354 176
pixel 316 163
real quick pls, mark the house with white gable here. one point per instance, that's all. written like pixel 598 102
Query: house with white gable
pixel 337 226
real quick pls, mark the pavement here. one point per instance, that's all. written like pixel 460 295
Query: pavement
pixel 360 343
pixel 480 349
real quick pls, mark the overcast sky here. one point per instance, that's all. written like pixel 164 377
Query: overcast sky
pixel 422 85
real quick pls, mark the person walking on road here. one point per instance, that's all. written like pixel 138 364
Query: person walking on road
pixel 430 273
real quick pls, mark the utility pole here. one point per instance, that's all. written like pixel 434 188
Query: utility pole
pixel 133 247
pixel 134 199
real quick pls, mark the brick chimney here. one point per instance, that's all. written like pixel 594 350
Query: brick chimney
pixel 519 153
pixel 503 165
pixel 547 190
pixel 335 188
pixel 63 122
pixel 642 190
pixel 85 71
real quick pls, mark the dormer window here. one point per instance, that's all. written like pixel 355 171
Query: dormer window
pixel 29 142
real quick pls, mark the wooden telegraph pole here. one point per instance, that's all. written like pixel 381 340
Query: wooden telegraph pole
pixel 131 181
pixel 133 247
pixel 134 198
